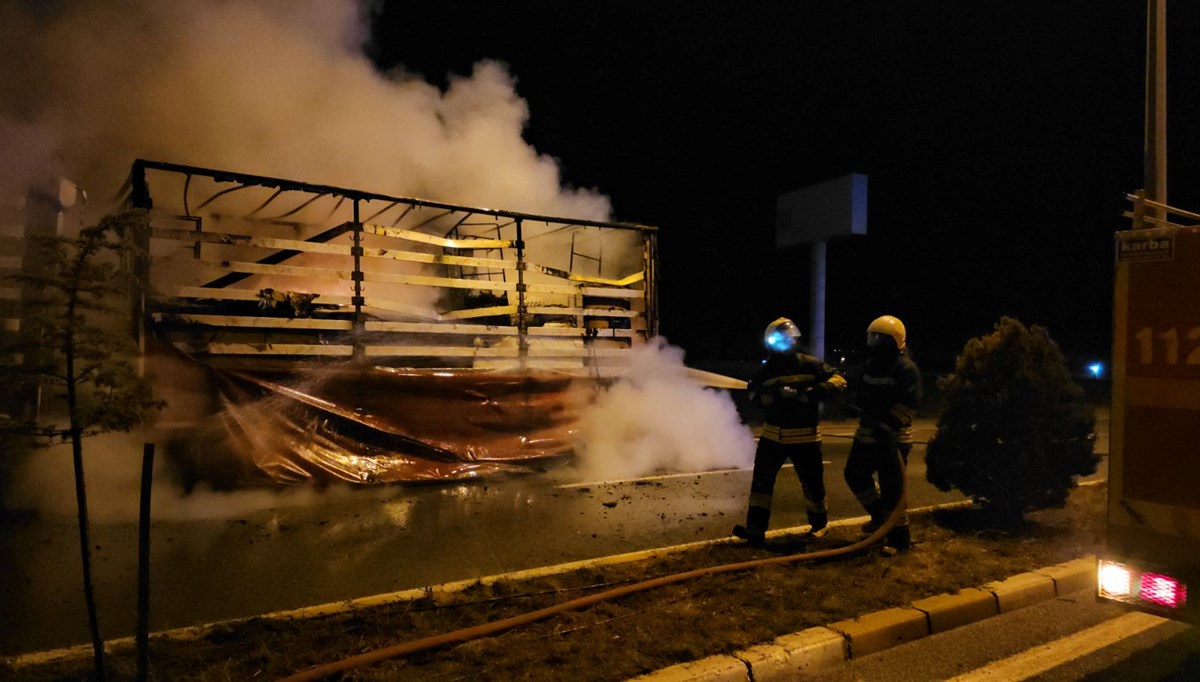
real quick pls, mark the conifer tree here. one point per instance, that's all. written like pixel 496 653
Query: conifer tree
pixel 1016 431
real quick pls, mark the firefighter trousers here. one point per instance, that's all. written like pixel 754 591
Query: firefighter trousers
pixel 769 458
pixel 870 459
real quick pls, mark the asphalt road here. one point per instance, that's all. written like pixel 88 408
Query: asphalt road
pixel 354 543
pixel 1060 640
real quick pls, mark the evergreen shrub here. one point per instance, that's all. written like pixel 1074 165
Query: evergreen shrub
pixel 1016 431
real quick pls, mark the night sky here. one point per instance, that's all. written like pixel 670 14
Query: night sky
pixel 999 138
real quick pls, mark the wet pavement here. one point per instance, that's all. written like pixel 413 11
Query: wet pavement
pixel 354 543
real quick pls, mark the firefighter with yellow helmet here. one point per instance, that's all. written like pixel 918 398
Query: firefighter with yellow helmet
pixel 789 386
pixel 887 398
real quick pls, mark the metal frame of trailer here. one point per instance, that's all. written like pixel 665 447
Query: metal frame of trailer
pixel 243 266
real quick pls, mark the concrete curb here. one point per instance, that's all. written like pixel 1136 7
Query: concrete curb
pixel 790 656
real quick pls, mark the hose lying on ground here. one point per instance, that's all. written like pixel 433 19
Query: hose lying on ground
pixel 325 670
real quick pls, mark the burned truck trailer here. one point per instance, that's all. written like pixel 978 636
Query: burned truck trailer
pixel 303 331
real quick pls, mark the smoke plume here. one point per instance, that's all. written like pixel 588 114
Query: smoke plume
pixel 277 87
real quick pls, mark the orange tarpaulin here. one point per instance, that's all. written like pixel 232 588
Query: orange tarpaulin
pixel 371 425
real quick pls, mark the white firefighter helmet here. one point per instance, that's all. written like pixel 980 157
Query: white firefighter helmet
pixel 888 326
pixel 781 336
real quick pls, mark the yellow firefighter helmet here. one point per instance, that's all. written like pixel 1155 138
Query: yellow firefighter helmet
pixel 888 325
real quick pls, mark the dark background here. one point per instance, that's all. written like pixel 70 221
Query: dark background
pixel 999 138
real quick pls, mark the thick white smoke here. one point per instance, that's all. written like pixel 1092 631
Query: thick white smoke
pixel 278 87
pixel 658 419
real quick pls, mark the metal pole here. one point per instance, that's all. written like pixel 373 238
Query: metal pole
pixel 357 277
pixel 650 263
pixel 1156 104
pixel 1139 209
pixel 816 313
pixel 522 306
pixel 143 596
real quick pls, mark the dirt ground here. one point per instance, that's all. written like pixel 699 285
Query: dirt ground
pixel 615 639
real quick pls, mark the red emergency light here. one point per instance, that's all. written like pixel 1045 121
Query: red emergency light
pixel 1163 590
pixel 1125 583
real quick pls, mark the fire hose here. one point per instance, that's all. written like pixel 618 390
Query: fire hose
pixel 326 670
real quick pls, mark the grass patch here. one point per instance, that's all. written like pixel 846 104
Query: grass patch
pixel 622 638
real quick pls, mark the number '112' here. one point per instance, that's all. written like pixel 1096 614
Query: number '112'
pixel 1169 341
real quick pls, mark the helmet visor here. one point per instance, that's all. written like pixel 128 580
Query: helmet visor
pixel 781 338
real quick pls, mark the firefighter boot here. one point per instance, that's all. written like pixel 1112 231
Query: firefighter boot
pixel 878 516
pixel 818 523
pixel 755 537
pixel 755 530
pixel 899 539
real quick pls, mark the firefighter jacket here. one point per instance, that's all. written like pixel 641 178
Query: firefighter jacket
pixel 790 386
pixel 888 396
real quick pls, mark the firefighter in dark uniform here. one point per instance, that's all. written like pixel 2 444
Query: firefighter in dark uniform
pixel 790 386
pixel 887 398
